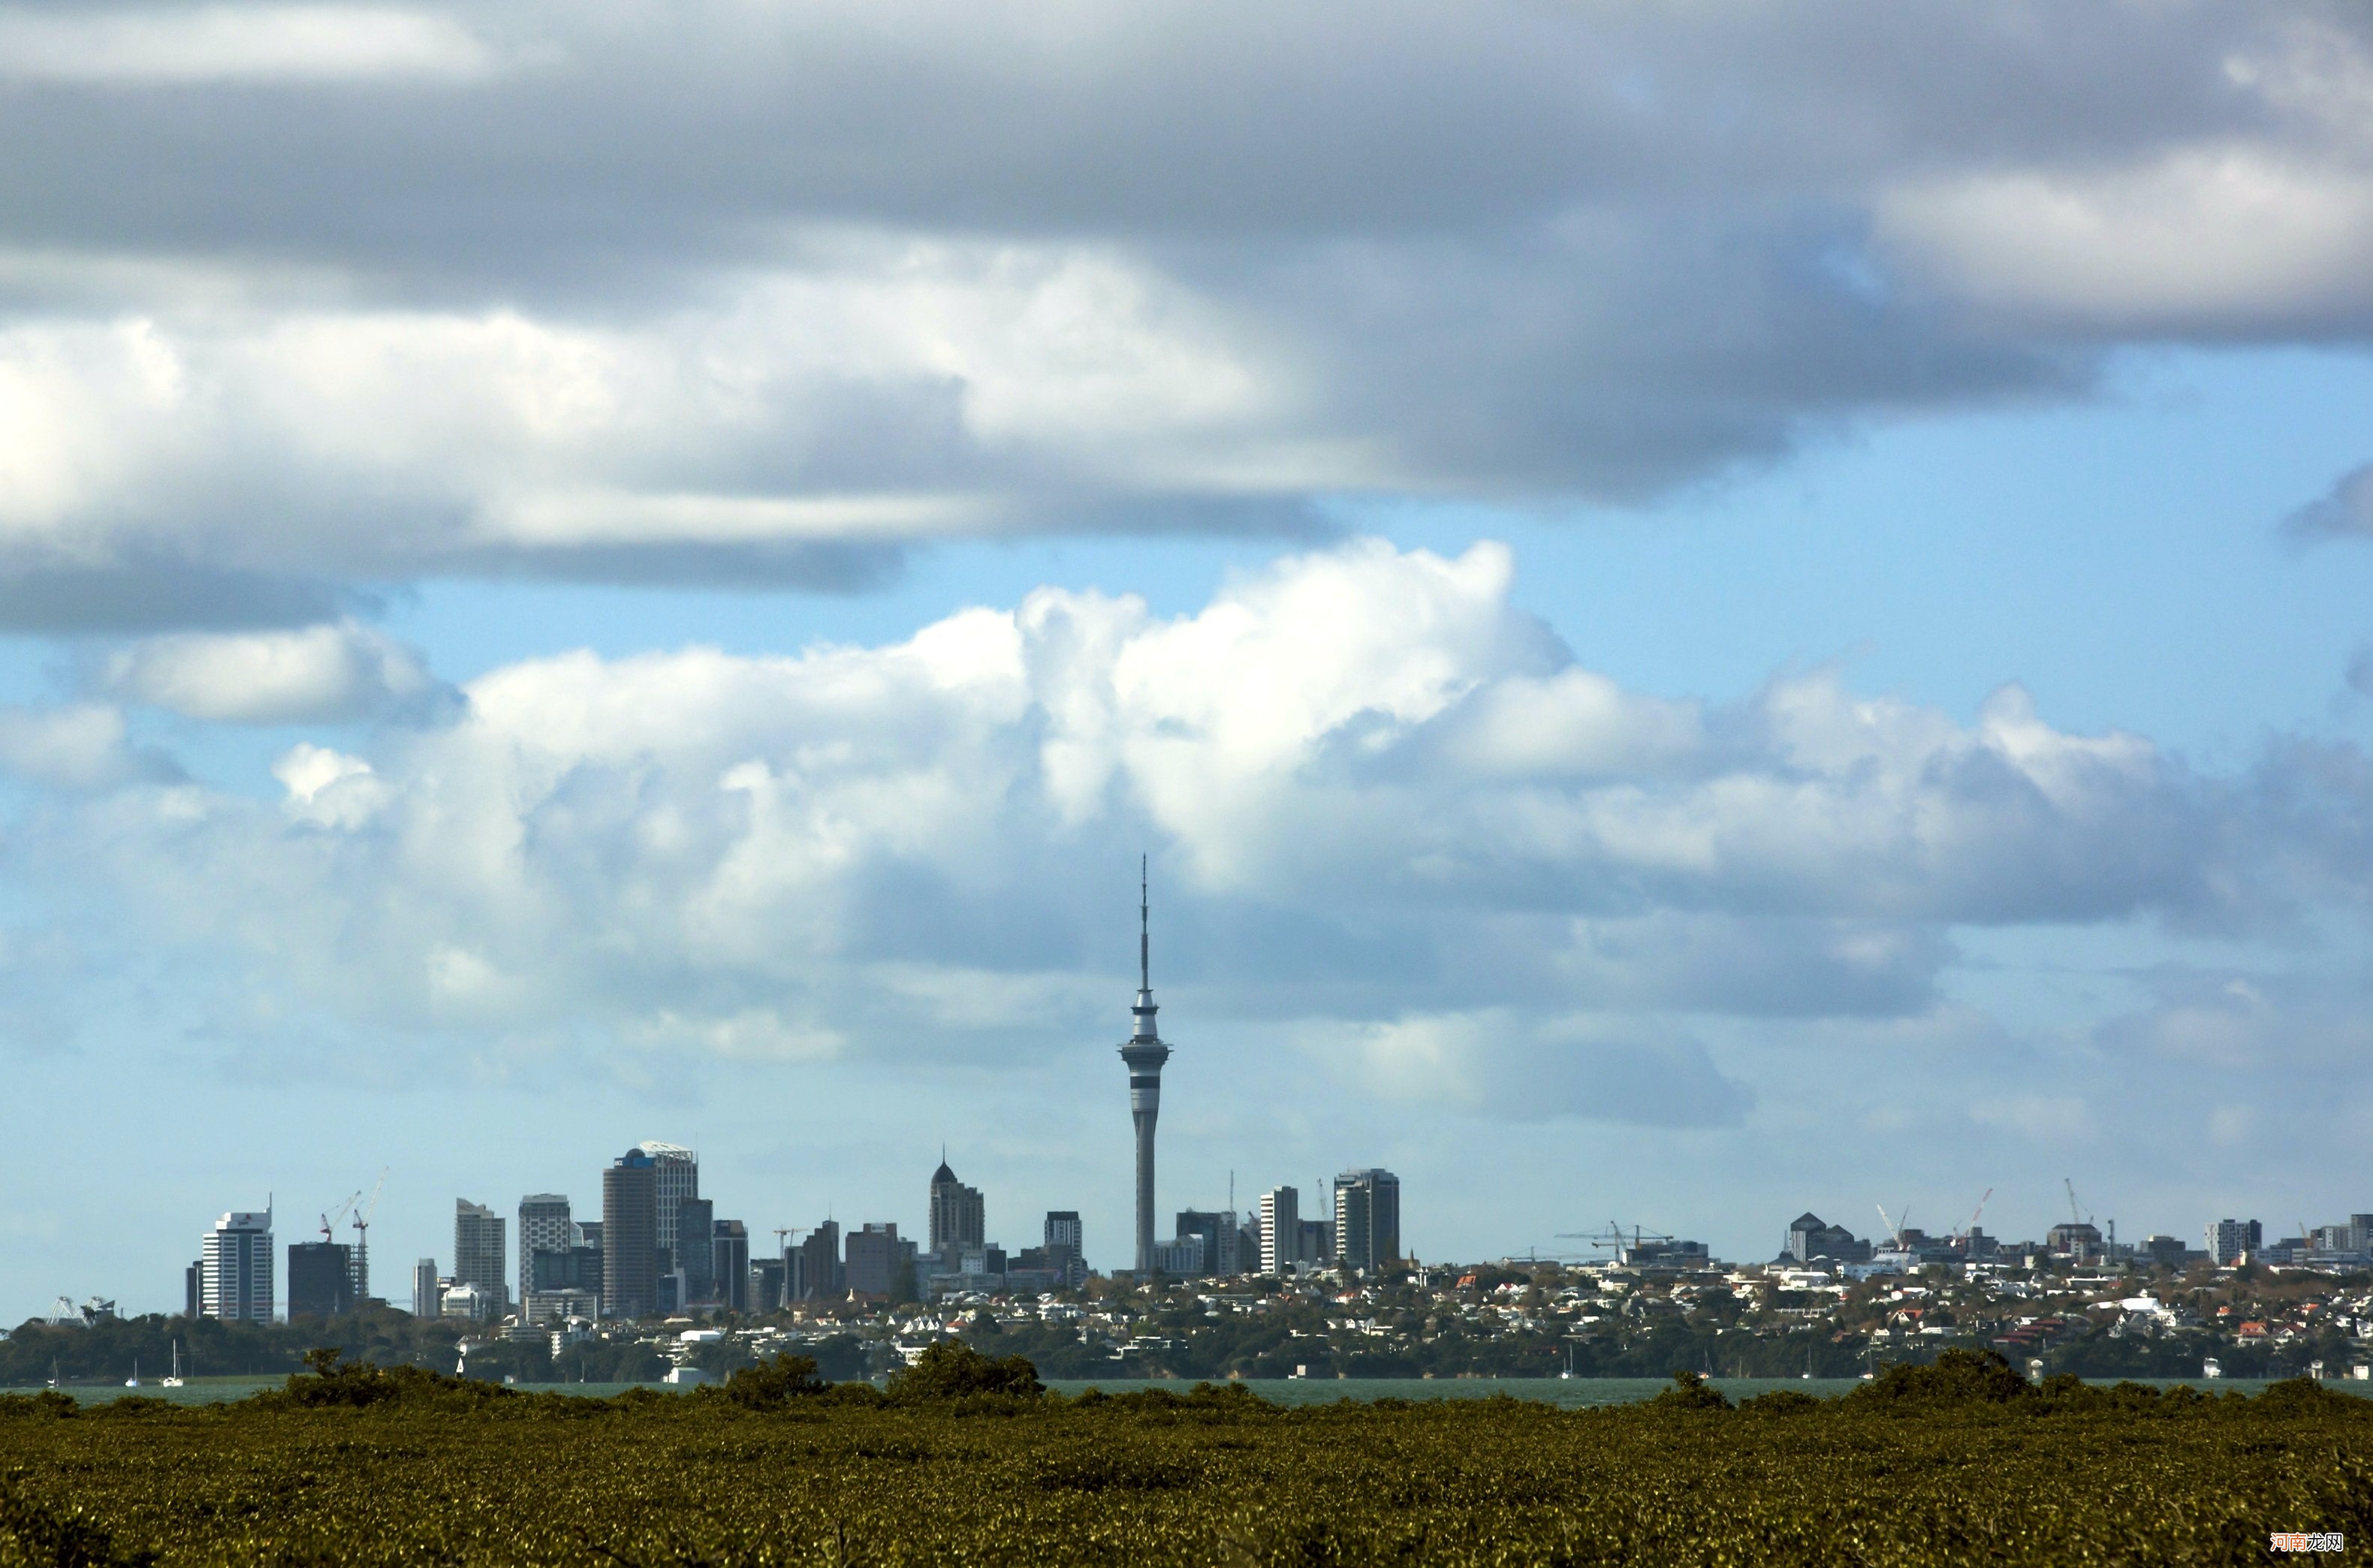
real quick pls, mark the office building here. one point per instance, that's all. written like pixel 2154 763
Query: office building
pixel 1811 1238
pixel 1143 1055
pixel 320 1280
pixel 2076 1240
pixel 1281 1231
pixel 820 1268
pixel 630 1235
pixel 959 1218
pixel 696 1254
pixel 1214 1233
pixel 728 1270
pixel 191 1289
pixel 235 1281
pixel 1065 1247
pixel 544 1225
pixel 766 1285
pixel 1368 1219
pixel 875 1259
pixel 1317 1247
pixel 2229 1240
pixel 480 1249
pixel 427 1298
pixel 675 1176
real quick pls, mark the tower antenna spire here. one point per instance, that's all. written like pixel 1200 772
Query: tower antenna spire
pixel 1144 928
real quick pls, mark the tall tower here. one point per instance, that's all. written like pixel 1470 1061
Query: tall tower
pixel 1144 1055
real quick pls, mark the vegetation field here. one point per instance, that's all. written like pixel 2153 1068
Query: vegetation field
pixel 967 1461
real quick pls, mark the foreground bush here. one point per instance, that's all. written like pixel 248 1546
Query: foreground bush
pixel 1959 1465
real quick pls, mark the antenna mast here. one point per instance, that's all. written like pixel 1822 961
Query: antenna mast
pixel 1144 928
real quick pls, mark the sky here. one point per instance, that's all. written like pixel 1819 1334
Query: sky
pixel 1701 610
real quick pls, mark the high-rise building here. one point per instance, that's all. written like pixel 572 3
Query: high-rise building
pixel 820 1276
pixel 480 1249
pixel 1367 1220
pixel 1317 1246
pixel 766 1283
pixel 1143 1055
pixel 630 1233
pixel 695 1256
pixel 959 1218
pixel 1281 1231
pixel 1214 1233
pixel 875 1257
pixel 190 1286
pixel 675 1176
pixel 320 1278
pixel 728 1270
pixel 428 1299
pixel 235 1268
pixel 544 1225
pixel 1066 1255
pixel 2230 1240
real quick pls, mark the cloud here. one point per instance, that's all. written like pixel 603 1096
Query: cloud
pixel 77 748
pixel 243 43
pixel 1381 797
pixel 740 293
pixel 2345 511
pixel 1510 1068
pixel 317 674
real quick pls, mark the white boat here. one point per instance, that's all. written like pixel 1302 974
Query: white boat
pixel 134 1381
pixel 175 1380
pixel 2209 1369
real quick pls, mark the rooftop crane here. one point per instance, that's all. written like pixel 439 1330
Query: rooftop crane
pixel 362 1237
pixel 2075 1216
pixel 1894 1231
pixel 1970 1229
pixel 329 1221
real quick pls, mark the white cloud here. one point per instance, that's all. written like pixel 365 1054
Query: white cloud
pixel 1378 790
pixel 236 44
pixel 82 748
pixel 319 674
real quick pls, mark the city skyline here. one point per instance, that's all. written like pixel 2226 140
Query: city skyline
pixel 1683 603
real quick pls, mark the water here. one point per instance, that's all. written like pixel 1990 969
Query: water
pixel 1566 1393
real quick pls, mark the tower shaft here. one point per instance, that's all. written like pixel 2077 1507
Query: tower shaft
pixel 1143 1055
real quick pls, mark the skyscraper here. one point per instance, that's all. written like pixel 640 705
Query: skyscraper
pixel 820 1265
pixel 728 1270
pixel 959 1218
pixel 675 1176
pixel 1144 1055
pixel 427 1300
pixel 630 1230
pixel 235 1268
pixel 544 1225
pixel 479 1248
pixel 1281 1231
pixel 320 1278
pixel 1367 1220
pixel 695 1225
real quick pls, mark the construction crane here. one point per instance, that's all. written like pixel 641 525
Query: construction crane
pixel 2075 1215
pixel 1894 1231
pixel 1970 1229
pixel 329 1221
pixel 362 1237
pixel 1612 1236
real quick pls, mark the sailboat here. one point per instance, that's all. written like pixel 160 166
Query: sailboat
pixel 134 1381
pixel 175 1380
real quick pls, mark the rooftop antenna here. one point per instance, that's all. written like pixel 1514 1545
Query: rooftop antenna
pixel 1144 926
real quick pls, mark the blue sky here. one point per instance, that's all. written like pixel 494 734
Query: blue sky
pixel 1746 659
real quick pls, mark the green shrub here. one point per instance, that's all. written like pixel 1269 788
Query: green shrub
pixel 953 1370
